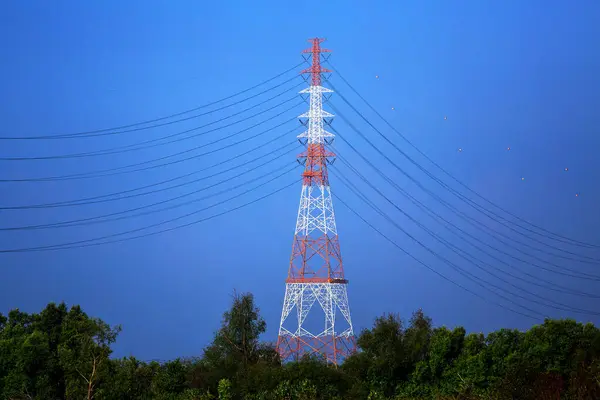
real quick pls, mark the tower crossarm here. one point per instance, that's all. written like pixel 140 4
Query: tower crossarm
pixel 315 159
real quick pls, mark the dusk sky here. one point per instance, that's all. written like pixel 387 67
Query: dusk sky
pixel 504 95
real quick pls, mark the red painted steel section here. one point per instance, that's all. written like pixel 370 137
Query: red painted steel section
pixel 315 70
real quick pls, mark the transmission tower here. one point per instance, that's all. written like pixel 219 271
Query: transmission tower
pixel 316 288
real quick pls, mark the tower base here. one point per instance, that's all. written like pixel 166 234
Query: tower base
pixel 329 344
pixel 332 349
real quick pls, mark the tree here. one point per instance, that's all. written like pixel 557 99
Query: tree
pixel 417 337
pixel 236 345
pixel 62 353
pixel 130 379
pixel 84 352
pixel 170 378
pixel 384 354
pixel 238 338
pixel 26 356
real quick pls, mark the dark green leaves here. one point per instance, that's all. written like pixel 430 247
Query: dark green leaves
pixel 63 353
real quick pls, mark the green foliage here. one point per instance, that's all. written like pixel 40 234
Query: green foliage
pixel 225 390
pixel 83 352
pixel 237 340
pixel 62 353
pixel 58 353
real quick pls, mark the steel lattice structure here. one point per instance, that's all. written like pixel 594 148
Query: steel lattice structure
pixel 316 281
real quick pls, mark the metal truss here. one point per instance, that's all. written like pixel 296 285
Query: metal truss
pixel 334 343
pixel 316 281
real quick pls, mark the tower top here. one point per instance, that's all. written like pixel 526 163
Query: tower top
pixel 315 70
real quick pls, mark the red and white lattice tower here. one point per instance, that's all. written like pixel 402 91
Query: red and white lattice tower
pixel 316 285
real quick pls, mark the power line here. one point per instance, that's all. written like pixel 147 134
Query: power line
pixel 579 275
pixel 113 171
pixel 471 203
pixel 469 219
pixel 456 250
pixel 463 272
pixel 101 218
pixel 99 132
pixel 152 143
pixel 550 285
pixel 96 199
pixel 559 238
pixel 86 243
pixel 338 198
pixel 591 260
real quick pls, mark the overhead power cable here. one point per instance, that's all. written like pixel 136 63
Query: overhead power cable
pixel 469 258
pixel 152 143
pixel 107 197
pixel 573 273
pixel 452 228
pixel 120 215
pixel 118 170
pixel 478 225
pixel 459 195
pixel 466 289
pixel 474 278
pixel 107 131
pixel 547 233
pixel 98 241
pixel 581 258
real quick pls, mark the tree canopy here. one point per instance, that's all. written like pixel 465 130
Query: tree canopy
pixel 62 353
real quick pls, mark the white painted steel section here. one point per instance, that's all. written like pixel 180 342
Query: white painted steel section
pixel 315 211
pixel 316 205
pixel 330 297
pixel 316 132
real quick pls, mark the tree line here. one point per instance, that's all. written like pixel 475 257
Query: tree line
pixel 62 353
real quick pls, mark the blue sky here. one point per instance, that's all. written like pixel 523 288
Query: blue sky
pixel 505 74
